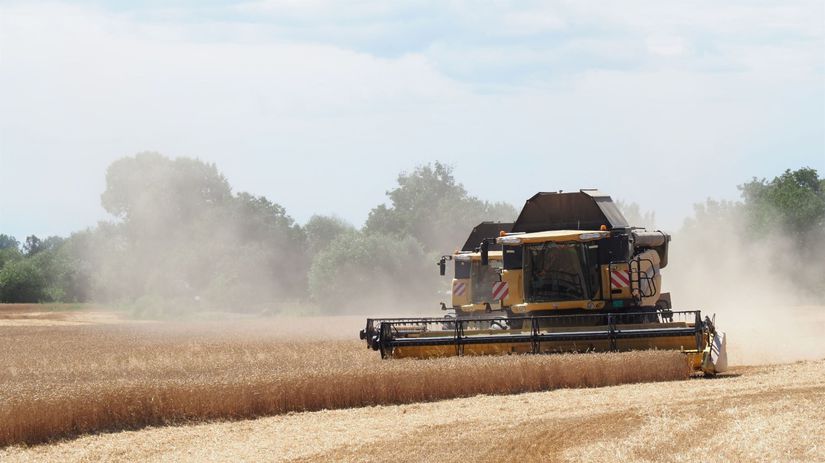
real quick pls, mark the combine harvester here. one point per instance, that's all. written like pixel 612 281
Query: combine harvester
pixel 579 279
pixel 477 290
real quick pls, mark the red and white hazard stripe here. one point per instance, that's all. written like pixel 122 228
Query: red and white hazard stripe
pixel 619 278
pixel 500 290
pixel 459 287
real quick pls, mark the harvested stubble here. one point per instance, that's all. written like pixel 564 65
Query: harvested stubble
pixel 64 381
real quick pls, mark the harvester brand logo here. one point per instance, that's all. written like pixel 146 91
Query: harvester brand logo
pixel 459 288
pixel 500 290
pixel 619 278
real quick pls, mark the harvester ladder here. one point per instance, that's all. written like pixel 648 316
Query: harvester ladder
pixel 636 278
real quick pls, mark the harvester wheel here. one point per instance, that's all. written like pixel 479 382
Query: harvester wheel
pixel 499 325
pixel 665 308
pixel 649 315
pixel 448 325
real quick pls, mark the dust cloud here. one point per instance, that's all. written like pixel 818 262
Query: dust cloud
pixel 182 243
pixel 761 289
pixel 185 245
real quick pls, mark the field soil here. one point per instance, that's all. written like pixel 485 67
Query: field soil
pixel 106 375
pixel 57 315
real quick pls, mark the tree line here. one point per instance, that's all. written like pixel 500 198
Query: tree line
pixel 181 239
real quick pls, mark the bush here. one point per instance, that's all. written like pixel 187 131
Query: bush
pixel 21 281
pixel 367 270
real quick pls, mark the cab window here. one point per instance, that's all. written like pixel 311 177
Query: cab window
pixel 483 278
pixel 462 269
pixel 554 272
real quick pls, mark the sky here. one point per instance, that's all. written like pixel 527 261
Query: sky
pixel 318 105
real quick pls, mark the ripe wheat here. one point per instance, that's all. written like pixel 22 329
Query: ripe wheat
pixel 64 381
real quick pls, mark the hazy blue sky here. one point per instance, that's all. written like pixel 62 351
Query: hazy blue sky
pixel 319 104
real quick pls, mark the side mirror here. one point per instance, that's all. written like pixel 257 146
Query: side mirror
pixel 442 266
pixel 485 252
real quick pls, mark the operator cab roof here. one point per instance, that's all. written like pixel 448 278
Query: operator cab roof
pixel 473 256
pixel 486 230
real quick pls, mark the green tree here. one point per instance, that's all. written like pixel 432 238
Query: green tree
pixel 255 218
pixel 322 230
pixel 72 271
pixel 369 270
pixel 8 242
pixel 181 234
pixel 9 249
pixel 794 201
pixel 430 206
pixel 32 245
pixel 715 215
pixel 791 207
pixel 268 255
pixel 779 223
pixel 155 194
pixel 634 215
pixel 48 272
pixel 22 281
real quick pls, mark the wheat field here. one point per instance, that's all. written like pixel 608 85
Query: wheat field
pixel 768 413
pixel 60 381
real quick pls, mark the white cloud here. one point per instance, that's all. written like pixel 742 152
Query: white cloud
pixel 670 46
pixel 661 107
pixel 531 22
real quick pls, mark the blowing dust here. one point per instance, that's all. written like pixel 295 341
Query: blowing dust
pixel 759 289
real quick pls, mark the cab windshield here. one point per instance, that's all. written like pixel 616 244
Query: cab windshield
pixel 483 278
pixel 556 272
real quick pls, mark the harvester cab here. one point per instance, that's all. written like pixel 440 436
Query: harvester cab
pixel 579 279
pixel 476 288
pixel 572 252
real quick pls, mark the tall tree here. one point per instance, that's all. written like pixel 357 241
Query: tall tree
pixel 9 249
pixel 384 272
pixel 634 215
pixel 322 230
pixel 775 231
pixel 22 281
pixel 433 208
pixel 8 241
pixel 155 194
pixel 794 200
pixel 32 245
pixel 181 233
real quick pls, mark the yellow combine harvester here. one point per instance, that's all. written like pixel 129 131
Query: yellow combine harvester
pixel 476 289
pixel 578 279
